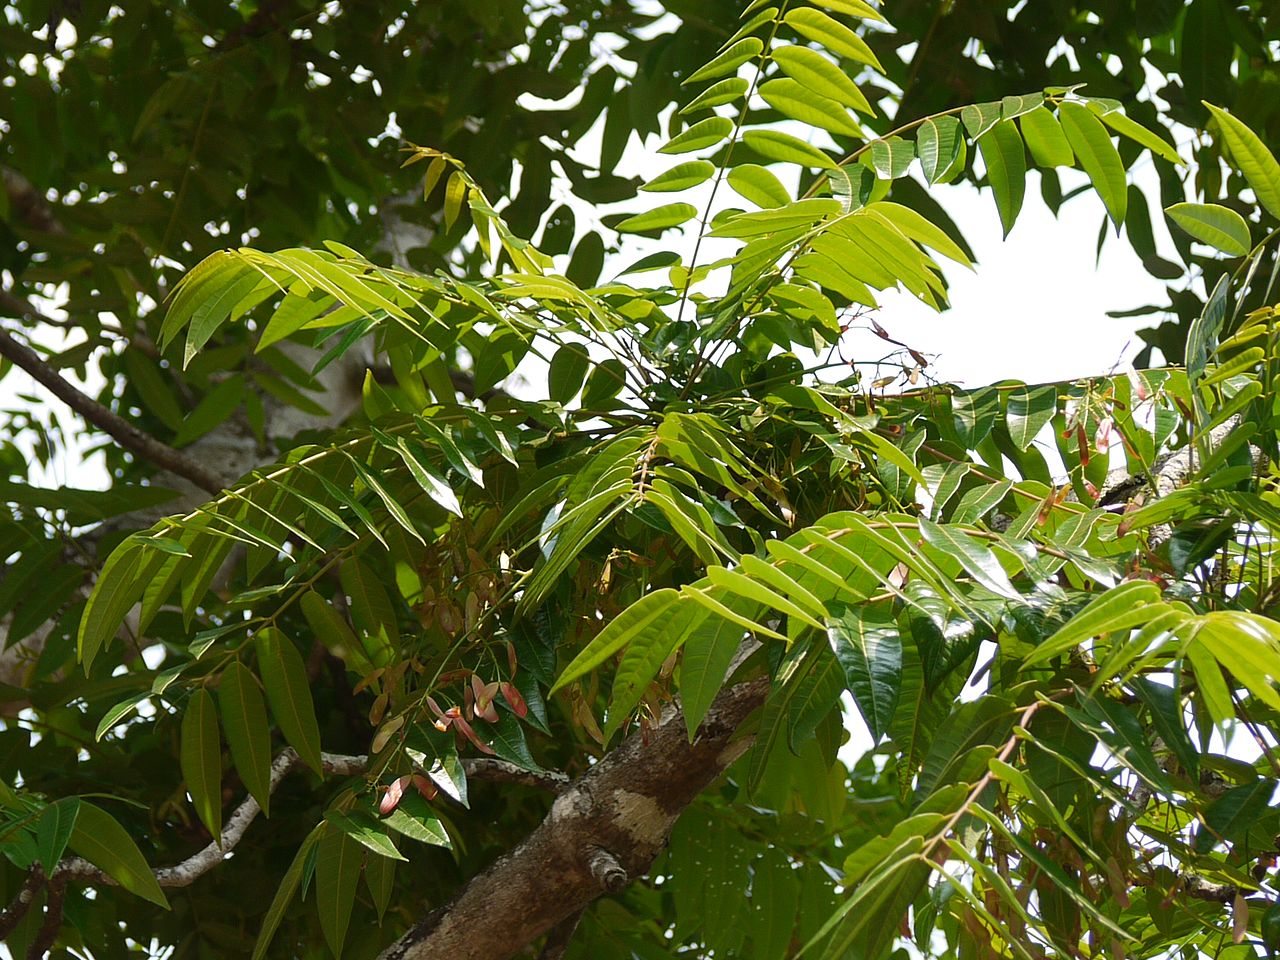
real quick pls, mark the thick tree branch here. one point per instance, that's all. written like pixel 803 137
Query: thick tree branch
pixel 126 434
pixel 602 832
pixel 334 764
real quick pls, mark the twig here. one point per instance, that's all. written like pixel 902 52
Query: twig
pixel 12 915
pixel 334 764
pixel 558 937
pixel 128 436
pixel 52 920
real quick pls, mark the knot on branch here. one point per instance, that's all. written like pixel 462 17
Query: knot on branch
pixel 606 869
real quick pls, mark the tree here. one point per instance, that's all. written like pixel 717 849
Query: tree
pixel 486 659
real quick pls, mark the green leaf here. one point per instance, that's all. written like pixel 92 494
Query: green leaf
pixel 1246 644
pixel 704 133
pixel 755 183
pixel 799 103
pixel 941 148
pixel 1166 714
pixel 1045 139
pixel 659 218
pixel 285 893
pixel 978 118
pixel 455 192
pixel 201 757
pixel 650 612
pixel 976 559
pixel 117 712
pixel 705 661
pixel 289 692
pixel 1210 223
pixel 642 658
pixel 1252 157
pixel 366 831
pixel 1006 161
pixel 1097 154
pixel 371 609
pixel 868 647
pixel 728 61
pixel 831 35
pixel 1135 131
pixel 427 476
pixel 338 859
pixel 380 879
pixel 1120 608
pixel 1016 106
pixel 682 176
pixel 414 819
pixel 1231 816
pixel 891 157
pixel 775 145
pixel 53 830
pixel 815 72
pixel 1029 411
pixel 719 93
pixel 566 372
pixel 120 584
pixel 915 226
pixel 244 719
pixel 100 839
pixel 853 8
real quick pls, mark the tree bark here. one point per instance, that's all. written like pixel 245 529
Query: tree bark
pixel 603 832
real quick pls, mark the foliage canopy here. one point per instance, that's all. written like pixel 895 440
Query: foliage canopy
pixel 414 638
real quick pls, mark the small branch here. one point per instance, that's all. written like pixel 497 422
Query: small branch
pixel 604 866
pixel 52 920
pixel 558 937
pixel 500 771
pixel 12 915
pixel 125 433
pixel 29 207
pixel 334 764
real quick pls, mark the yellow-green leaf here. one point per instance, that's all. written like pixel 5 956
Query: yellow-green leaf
pixel 1210 223
pixel 755 183
pixel 776 145
pixel 815 72
pixel 798 102
pixel 831 34
pixel 1045 139
pixel 659 218
pixel 201 757
pixel 1136 132
pixel 729 61
pixel 721 92
pixel 942 149
pixel 1097 154
pixel 681 177
pixel 1006 162
pixel 704 133
pixel 1252 157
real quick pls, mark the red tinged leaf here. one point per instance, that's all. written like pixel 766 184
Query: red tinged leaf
pixel 465 728
pixel 391 799
pixel 425 786
pixel 515 700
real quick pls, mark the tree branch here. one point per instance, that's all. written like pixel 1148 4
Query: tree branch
pixel 126 434
pixel 334 764
pixel 602 832
pixel 12 915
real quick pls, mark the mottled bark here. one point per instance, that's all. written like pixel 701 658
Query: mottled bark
pixel 603 832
